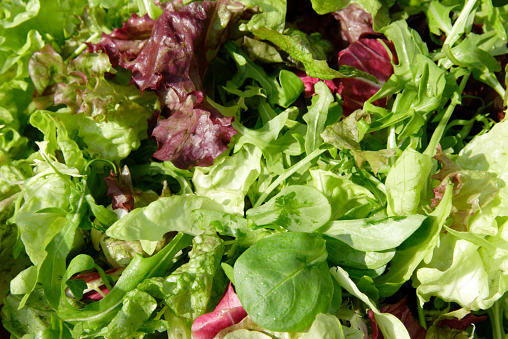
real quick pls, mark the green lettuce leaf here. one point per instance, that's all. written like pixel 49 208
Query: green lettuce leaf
pixel 109 120
pixel 229 179
pixel 405 182
pixel 471 275
pixel 187 290
pixel 166 214
pixel 347 199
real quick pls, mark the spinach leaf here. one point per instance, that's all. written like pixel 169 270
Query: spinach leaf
pixel 283 281
pixel 296 208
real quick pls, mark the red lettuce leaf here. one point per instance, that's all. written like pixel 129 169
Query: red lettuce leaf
pixel 124 44
pixel 354 22
pixel 401 311
pixel 228 312
pixel 370 56
pixel 192 136
pixel 367 55
pixel 120 190
pixel 335 85
pixel 172 62
pixel 461 324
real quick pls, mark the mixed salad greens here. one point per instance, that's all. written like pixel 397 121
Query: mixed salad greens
pixel 254 169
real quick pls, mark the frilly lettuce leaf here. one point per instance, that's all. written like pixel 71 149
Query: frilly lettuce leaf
pixel 187 290
pixel 488 152
pixel 229 180
pixel 189 131
pixel 108 119
pixel 473 190
pixel 478 261
pixel 474 277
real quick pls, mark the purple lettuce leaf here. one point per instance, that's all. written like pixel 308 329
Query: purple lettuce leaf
pixel 367 55
pixel 461 324
pixel 228 312
pixel 124 44
pixel 354 22
pixel 370 56
pixel 193 135
pixel 172 62
pixel 402 312
pixel 120 190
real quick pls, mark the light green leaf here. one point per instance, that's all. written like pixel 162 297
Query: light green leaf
pixel 298 45
pixel 297 208
pixel 341 254
pixel 346 198
pixel 408 44
pixel 471 274
pixel 243 333
pixel 325 326
pixel 273 14
pixel 406 260
pixel 372 234
pixel 438 15
pixel 161 216
pixel 229 179
pixel 136 309
pixel 489 152
pixel 187 290
pixel 405 182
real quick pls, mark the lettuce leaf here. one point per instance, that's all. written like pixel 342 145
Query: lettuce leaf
pixel 189 130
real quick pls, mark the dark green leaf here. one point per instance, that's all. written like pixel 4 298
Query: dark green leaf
pixel 283 281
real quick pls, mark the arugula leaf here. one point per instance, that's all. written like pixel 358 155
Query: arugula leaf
pixel 297 44
pixel 316 117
